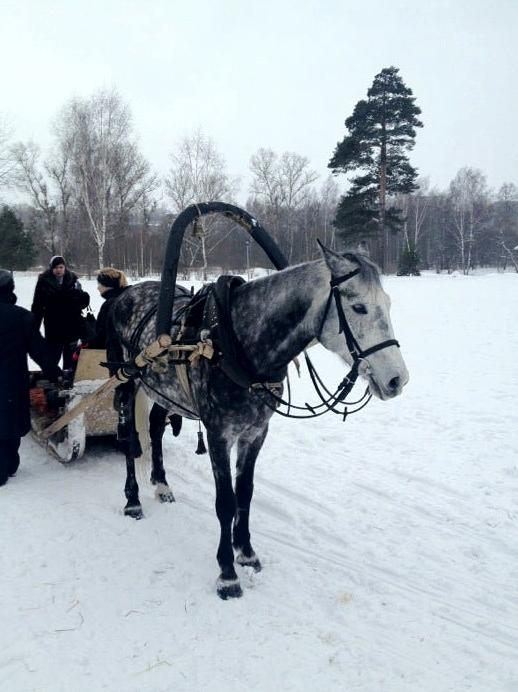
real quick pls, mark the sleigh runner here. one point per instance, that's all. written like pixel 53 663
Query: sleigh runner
pixel 51 405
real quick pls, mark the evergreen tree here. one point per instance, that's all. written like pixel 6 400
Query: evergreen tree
pixel 380 131
pixel 409 262
pixel 16 246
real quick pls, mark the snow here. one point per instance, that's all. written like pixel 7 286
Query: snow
pixel 388 543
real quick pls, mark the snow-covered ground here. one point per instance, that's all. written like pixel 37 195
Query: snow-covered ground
pixel 389 543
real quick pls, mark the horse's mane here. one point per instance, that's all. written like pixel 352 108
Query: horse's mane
pixel 369 270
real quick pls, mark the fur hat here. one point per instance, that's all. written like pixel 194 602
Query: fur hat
pixel 55 261
pixel 6 281
pixel 112 278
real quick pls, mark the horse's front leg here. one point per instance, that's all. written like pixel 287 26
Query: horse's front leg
pixel 157 423
pixel 228 585
pixel 133 507
pixel 247 452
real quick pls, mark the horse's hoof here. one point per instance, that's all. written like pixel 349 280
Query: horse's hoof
pixel 134 512
pixel 166 497
pixel 164 493
pixel 229 588
pixel 251 561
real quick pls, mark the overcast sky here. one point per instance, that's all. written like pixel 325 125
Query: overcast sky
pixel 276 74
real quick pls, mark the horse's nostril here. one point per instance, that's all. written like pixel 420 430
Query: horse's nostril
pixel 394 383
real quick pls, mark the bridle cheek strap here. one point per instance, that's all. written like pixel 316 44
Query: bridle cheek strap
pixel 353 346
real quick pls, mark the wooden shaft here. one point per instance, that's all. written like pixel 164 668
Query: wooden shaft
pixel 81 407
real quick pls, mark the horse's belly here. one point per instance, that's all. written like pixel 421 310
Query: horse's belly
pixel 167 392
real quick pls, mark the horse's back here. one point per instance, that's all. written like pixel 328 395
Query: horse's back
pixel 134 322
pixel 136 310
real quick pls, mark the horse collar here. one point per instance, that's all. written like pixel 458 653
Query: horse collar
pixel 232 358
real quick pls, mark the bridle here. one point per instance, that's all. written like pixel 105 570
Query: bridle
pixel 357 354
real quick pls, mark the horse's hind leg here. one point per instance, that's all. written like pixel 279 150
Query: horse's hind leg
pixel 127 436
pixel 228 585
pixel 157 423
pixel 247 452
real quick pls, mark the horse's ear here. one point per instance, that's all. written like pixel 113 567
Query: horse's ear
pixel 338 263
pixel 327 252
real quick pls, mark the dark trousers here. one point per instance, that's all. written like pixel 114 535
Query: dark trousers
pixel 9 458
pixel 67 350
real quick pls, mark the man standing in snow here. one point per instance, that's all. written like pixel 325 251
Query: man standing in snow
pixel 58 301
pixel 19 336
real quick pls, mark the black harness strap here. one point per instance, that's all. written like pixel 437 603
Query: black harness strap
pixel 353 346
pixel 232 358
pixel 340 279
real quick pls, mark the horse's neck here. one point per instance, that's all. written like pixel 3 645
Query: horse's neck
pixel 276 317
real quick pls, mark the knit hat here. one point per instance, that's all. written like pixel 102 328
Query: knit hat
pixel 54 261
pixel 6 281
pixel 112 278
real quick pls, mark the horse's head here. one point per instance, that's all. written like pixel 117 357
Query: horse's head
pixel 364 325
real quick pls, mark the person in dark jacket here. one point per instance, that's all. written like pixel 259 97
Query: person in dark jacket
pixel 58 301
pixel 19 336
pixel 111 283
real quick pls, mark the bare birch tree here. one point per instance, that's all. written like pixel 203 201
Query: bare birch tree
pixel 295 179
pixel 329 198
pixel 32 180
pixel 57 167
pixel 282 184
pixel 7 163
pixel 198 174
pixel 265 182
pixel 468 193
pixel 107 172
pixel 48 188
pixel 507 223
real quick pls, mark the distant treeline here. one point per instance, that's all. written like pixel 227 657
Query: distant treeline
pixel 94 199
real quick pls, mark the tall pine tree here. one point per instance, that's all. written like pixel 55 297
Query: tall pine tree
pixel 380 131
pixel 16 246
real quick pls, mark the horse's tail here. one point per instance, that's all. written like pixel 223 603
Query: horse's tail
pixel 142 426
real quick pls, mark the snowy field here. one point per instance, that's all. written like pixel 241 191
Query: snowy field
pixel 389 543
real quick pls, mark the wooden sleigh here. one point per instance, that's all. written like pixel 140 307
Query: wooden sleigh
pixel 64 417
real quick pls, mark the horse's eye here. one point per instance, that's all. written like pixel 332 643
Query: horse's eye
pixel 359 308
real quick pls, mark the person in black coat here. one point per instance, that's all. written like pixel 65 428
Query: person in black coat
pixel 19 336
pixel 58 301
pixel 111 283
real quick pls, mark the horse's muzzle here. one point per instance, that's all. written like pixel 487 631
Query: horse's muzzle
pixel 389 389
